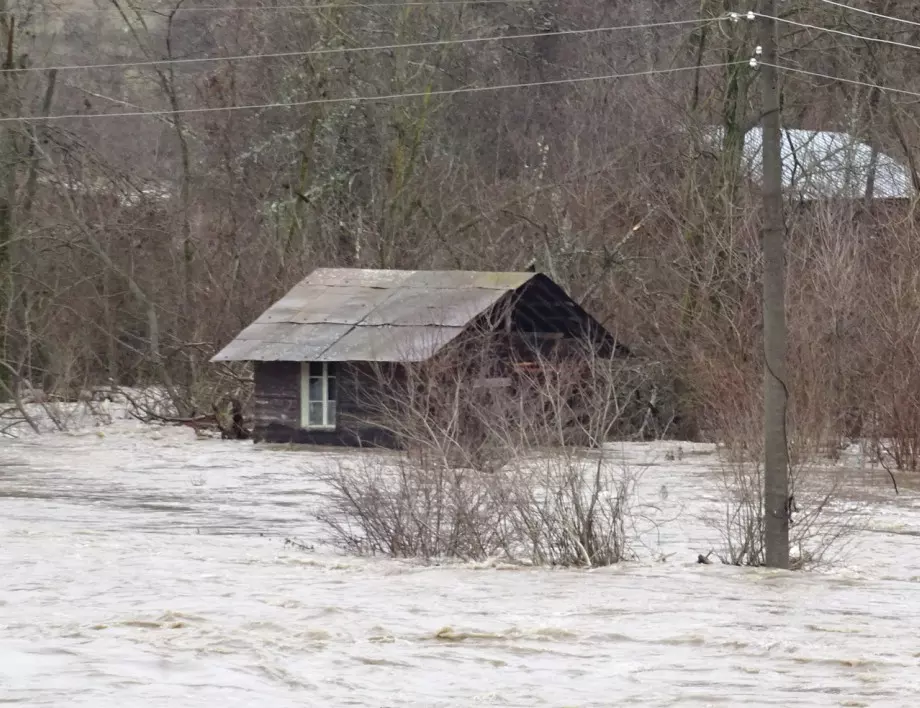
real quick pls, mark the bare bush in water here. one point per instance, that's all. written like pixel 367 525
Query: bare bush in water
pixel 395 507
pixel 514 468
pixel 821 519
pixel 546 511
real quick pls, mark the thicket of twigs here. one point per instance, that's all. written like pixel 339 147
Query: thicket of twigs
pixel 548 512
pixel 823 515
pixel 511 467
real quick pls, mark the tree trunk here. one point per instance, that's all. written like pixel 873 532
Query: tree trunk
pixel 8 163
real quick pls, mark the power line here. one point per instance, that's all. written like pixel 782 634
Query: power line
pixel 348 50
pixel 299 8
pixel 871 13
pixel 830 30
pixel 351 5
pixel 829 77
pixel 369 99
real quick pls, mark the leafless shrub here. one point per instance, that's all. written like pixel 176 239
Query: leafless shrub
pixel 14 413
pixel 13 417
pixel 821 522
pixel 400 509
pixel 821 519
pixel 42 411
pixel 549 511
pixel 146 404
pixel 892 421
pixel 491 394
pixel 500 458
pixel 573 512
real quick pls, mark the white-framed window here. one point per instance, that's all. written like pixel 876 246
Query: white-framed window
pixel 318 395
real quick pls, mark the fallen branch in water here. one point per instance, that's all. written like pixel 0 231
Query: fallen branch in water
pixel 234 430
pixel 18 404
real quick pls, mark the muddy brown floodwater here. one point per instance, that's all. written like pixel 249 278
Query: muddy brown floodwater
pixel 141 567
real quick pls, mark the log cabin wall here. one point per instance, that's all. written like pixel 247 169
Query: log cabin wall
pixel 278 412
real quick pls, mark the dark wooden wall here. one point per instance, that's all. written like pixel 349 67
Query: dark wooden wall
pixel 277 395
pixel 277 409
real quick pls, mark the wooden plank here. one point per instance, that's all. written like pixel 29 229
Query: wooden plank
pixel 277 393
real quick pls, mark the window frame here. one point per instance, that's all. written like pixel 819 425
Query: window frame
pixel 329 422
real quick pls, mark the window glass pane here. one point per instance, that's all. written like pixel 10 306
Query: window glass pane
pixel 330 411
pixel 316 368
pixel 331 389
pixel 330 368
pixel 316 390
pixel 315 414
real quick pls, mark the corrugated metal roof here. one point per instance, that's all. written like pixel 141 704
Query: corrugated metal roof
pixel 827 165
pixel 344 314
pixel 389 343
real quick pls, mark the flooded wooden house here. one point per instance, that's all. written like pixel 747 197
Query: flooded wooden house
pixel 342 338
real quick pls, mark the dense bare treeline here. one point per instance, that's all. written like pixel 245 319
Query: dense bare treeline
pixel 132 248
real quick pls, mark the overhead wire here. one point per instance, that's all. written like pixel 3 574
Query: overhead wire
pixel 372 48
pixel 305 7
pixel 878 15
pixel 829 77
pixel 755 61
pixel 843 33
pixel 367 99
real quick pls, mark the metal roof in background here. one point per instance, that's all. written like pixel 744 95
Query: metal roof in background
pixel 345 314
pixel 820 164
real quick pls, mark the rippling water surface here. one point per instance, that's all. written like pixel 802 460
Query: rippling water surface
pixel 142 567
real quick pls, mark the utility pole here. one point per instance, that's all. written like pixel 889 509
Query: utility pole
pixel 777 502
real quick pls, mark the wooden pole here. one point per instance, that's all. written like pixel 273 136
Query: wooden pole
pixel 777 502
